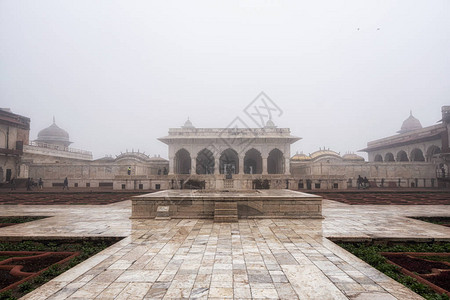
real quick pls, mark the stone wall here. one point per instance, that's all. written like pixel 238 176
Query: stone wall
pixel 327 175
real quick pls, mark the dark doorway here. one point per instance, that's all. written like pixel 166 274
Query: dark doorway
pixel 8 174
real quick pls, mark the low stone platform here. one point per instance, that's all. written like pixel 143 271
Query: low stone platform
pixel 250 203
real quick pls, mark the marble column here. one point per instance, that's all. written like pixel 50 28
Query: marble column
pixel 287 168
pixel 171 166
pixel 241 165
pixel 216 166
pixel 264 166
pixel 193 165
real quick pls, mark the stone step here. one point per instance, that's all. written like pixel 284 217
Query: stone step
pixel 221 205
pixel 162 212
pixel 226 219
pixel 225 211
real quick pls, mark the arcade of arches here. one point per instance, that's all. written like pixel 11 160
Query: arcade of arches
pixel 416 155
pixel 229 162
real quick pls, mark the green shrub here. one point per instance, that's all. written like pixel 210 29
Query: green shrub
pixel 370 254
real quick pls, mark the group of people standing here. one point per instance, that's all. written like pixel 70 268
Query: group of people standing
pixel 362 182
pixel 30 184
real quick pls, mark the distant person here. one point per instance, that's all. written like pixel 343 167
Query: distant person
pixel 359 181
pixel 13 184
pixel 66 184
pixel 41 183
pixel 366 182
pixel 29 184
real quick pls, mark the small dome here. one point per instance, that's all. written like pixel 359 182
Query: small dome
pixel 54 135
pixel 352 157
pixel 188 124
pixel 300 157
pixel 324 152
pixel 270 124
pixel 410 124
pixel 158 158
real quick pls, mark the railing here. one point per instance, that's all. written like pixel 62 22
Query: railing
pixel 11 151
pixel 60 148
pixel 442 174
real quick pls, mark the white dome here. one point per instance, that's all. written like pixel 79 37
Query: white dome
pixel 188 124
pixel 410 124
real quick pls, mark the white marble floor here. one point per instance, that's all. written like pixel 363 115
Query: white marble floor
pixel 199 259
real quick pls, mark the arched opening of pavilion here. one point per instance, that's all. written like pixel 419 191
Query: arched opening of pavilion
pixel 378 158
pixel 432 151
pixel 205 162
pixel 402 156
pixel 253 162
pixel 229 162
pixel 417 155
pixel 182 162
pixel 389 157
pixel 275 162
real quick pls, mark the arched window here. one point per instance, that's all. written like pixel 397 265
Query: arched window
pixel 417 155
pixel 402 156
pixel 229 162
pixel 205 162
pixel 389 157
pixel 252 162
pixel 275 162
pixel 378 158
pixel 182 162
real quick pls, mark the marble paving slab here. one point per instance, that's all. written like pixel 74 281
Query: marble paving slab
pixel 200 259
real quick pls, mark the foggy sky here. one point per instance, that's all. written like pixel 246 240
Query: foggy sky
pixel 117 74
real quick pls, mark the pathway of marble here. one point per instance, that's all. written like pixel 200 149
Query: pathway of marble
pixel 199 259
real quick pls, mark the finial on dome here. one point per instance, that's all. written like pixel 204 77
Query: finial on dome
pixel 410 124
pixel 188 124
pixel 270 124
pixel 54 120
